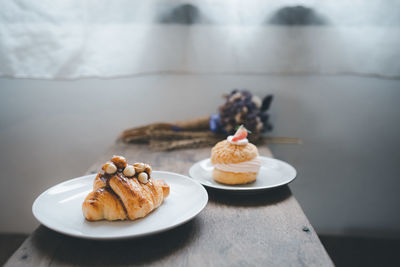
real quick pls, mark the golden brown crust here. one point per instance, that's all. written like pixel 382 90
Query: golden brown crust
pixel 138 202
pixel 233 178
pixel 117 197
pixel 164 186
pixel 125 199
pixel 102 204
pixel 226 153
pixel 99 182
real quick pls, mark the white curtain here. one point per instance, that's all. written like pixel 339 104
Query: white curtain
pixel 78 39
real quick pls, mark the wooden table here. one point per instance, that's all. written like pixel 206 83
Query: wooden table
pixel 264 229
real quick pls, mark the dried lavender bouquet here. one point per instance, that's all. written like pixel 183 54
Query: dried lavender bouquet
pixel 240 108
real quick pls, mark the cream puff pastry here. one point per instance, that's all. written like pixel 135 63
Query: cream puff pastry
pixel 235 160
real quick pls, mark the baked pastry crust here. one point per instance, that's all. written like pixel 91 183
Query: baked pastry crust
pixel 226 153
pixel 101 204
pixel 234 178
pixel 117 197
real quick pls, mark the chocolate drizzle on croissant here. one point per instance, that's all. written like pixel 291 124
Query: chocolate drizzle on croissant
pixel 116 196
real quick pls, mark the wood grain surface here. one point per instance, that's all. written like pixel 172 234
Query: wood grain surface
pixel 268 228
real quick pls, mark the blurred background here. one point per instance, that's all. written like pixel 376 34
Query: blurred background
pixel 75 74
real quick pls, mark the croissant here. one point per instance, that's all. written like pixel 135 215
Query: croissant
pixel 122 191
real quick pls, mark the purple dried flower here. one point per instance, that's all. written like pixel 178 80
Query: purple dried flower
pixel 241 107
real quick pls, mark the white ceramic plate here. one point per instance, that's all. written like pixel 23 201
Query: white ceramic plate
pixel 60 209
pixel 273 173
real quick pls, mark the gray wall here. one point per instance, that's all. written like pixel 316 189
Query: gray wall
pixel 348 165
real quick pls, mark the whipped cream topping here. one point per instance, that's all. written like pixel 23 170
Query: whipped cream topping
pixel 241 167
pixel 240 142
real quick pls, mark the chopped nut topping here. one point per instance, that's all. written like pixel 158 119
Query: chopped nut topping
pixel 139 167
pixel 109 168
pixel 143 177
pixel 129 171
pixel 147 169
pixel 119 161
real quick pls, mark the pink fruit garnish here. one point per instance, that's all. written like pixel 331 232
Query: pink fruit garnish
pixel 240 134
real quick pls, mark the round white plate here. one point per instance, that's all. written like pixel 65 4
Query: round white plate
pixel 60 209
pixel 273 173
